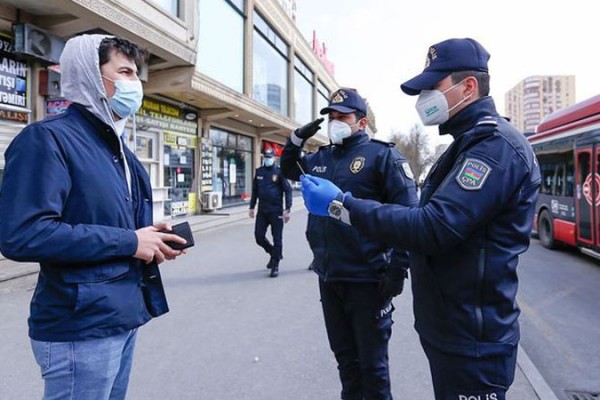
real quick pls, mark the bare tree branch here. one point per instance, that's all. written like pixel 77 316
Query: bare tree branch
pixel 417 149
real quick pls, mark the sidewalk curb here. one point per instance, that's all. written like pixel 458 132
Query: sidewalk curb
pixel 538 383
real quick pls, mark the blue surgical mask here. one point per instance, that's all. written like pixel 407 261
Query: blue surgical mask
pixel 127 98
pixel 268 162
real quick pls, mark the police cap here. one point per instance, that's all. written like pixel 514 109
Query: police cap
pixel 346 101
pixel 444 58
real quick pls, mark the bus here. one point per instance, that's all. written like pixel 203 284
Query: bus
pixel 567 146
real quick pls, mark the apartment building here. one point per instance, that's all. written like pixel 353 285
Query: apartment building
pixel 529 101
pixel 225 79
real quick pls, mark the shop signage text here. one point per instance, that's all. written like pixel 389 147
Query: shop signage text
pixel 13 82
pixel 164 116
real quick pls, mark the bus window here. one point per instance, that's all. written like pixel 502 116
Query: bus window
pixel 570 179
pixel 559 180
pixel 547 178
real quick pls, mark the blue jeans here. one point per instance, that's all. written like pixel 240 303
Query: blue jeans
pixel 95 369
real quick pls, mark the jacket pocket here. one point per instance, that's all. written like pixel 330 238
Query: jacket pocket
pixel 114 302
pixel 94 273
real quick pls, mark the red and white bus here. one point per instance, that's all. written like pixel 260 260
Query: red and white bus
pixel 567 146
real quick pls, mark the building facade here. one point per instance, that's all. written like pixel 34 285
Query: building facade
pixel 534 97
pixel 225 79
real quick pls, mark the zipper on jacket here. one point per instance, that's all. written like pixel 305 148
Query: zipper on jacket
pixel 479 293
pixel 328 221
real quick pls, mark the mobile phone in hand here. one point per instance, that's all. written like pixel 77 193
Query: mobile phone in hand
pixel 182 229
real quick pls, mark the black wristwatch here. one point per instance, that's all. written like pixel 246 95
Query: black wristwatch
pixel 337 210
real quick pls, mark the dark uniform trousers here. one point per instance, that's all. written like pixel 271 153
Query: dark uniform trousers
pixel 487 378
pixel 263 221
pixel 359 326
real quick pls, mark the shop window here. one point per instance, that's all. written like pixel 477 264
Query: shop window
pixel 147 152
pixel 178 174
pixel 232 169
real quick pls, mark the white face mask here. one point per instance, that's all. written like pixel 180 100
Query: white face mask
pixel 432 106
pixel 268 162
pixel 338 131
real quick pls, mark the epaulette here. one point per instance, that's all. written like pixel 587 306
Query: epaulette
pixel 487 121
pixel 389 144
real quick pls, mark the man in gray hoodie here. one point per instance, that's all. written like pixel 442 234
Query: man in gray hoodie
pixel 86 216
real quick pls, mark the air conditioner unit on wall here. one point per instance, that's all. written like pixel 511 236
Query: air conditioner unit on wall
pixel 37 43
pixel 211 201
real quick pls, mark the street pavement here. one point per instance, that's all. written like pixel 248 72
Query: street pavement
pixel 270 330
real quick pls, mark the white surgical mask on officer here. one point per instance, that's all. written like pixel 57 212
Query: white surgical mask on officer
pixel 268 162
pixel 338 131
pixel 432 105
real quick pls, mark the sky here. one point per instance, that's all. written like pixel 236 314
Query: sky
pixel 378 44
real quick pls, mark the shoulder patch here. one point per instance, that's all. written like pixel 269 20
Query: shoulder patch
pixel 473 174
pixel 407 171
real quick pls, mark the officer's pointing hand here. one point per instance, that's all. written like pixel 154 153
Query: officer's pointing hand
pixel 308 130
pixel 318 193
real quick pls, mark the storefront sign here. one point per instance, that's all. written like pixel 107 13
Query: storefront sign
pixel 161 115
pixel 276 147
pixel 13 83
pixel 179 208
pixel 207 164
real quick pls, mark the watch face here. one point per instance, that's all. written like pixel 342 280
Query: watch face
pixel 335 210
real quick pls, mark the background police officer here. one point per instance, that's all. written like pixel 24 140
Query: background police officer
pixel 269 187
pixel 474 219
pixel 358 276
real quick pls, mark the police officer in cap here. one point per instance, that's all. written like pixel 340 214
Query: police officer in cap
pixel 358 276
pixel 269 188
pixel 473 221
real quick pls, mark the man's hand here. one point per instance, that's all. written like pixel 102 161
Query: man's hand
pixel 151 243
pixel 286 216
pixel 392 283
pixel 318 193
pixel 309 130
pixel 251 213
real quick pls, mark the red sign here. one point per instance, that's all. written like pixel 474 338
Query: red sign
pixel 321 52
pixel 277 148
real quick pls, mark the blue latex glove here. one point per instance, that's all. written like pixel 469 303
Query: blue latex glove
pixel 318 193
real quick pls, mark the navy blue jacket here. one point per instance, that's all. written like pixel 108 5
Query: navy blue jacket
pixel 269 187
pixel 474 219
pixel 65 203
pixel 369 169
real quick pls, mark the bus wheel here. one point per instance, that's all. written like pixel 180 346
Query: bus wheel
pixel 546 230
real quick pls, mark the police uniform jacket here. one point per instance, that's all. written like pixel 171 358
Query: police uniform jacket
pixel 65 203
pixel 269 187
pixel 369 169
pixel 474 219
